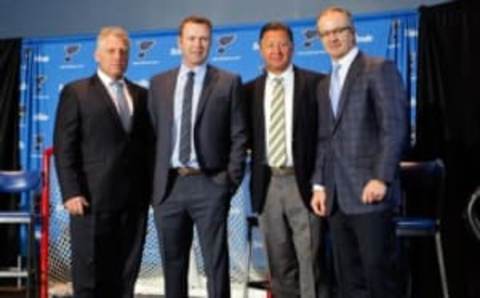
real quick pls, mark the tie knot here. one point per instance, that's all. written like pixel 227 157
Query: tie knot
pixel 117 85
pixel 278 80
pixel 191 74
pixel 336 68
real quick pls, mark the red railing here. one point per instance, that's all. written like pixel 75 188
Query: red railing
pixel 45 215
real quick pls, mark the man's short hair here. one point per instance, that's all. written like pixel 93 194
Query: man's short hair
pixel 338 9
pixel 276 26
pixel 113 31
pixel 196 20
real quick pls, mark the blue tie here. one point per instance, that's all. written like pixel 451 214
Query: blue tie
pixel 186 124
pixel 335 88
pixel 122 105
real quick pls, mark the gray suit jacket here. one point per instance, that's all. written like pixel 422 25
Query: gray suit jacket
pixel 366 139
pixel 220 132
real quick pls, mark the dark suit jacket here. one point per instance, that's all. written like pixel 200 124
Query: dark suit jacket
pixel 303 140
pixel 94 155
pixel 366 139
pixel 220 132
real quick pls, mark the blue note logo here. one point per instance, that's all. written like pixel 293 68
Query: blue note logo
pixel 224 42
pixel 70 51
pixel 144 47
pixel 309 37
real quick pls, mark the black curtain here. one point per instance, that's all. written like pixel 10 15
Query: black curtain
pixel 448 126
pixel 9 112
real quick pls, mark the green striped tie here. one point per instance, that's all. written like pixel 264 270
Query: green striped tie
pixel 277 151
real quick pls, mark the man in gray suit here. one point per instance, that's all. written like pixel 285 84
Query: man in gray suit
pixel 198 115
pixel 283 120
pixel 362 130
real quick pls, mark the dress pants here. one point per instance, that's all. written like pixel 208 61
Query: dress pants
pixel 106 252
pixel 293 240
pixel 194 200
pixel 364 254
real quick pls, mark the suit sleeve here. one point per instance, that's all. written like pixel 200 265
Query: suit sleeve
pixel 67 147
pixel 322 136
pixel 389 99
pixel 238 133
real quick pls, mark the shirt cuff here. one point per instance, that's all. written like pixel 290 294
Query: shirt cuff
pixel 318 187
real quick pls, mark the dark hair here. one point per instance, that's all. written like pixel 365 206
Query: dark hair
pixel 195 19
pixel 274 26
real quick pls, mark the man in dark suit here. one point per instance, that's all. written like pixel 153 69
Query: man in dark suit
pixel 102 144
pixel 362 131
pixel 198 116
pixel 283 120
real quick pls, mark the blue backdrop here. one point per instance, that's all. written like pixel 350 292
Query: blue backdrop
pixel 49 63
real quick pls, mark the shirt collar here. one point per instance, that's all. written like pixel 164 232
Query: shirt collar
pixel 347 59
pixel 106 80
pixel 199 70
pixel 284 75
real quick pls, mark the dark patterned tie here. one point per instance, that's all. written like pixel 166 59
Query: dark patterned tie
pixel 122 105
pixel 186 124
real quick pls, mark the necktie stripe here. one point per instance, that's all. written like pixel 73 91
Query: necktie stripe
pixel 277 153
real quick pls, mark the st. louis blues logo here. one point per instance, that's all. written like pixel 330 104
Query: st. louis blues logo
pixel 27 52
pixel 309 36
pixel 225 41
pixel 38 142
pixel 70 51
pixel 144 47
pixel 40 82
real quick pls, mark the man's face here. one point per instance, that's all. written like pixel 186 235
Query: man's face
pixel 276 50
pixel 112 56
pixel 336 33
pixel 194 42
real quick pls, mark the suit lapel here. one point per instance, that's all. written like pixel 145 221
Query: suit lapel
pixel 352 74
pixel 298 86
pixel 169 85
pixel 102 94
pixel 208 84
pixel 259 113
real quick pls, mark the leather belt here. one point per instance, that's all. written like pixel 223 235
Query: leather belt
pixel 282 171
pixel 185 171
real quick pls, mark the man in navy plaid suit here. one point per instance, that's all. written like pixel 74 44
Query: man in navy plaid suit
pixel 362 129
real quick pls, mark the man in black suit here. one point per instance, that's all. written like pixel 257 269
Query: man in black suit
pixel 283 120
pixel 102 144
pixel 198 115
pixel 362 131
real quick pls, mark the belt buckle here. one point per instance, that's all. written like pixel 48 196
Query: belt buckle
pixel 183 171
pixel 186 171
pixel 282 171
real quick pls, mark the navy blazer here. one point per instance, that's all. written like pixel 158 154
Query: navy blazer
pixel 366 139
pixel 220 132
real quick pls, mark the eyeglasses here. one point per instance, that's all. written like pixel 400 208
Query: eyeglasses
pixel 335 31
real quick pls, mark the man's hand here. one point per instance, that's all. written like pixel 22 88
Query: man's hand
pixel 76 205
pixel 319 202
pixel 374 191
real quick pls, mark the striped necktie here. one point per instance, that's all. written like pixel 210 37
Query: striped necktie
pixel 277 150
